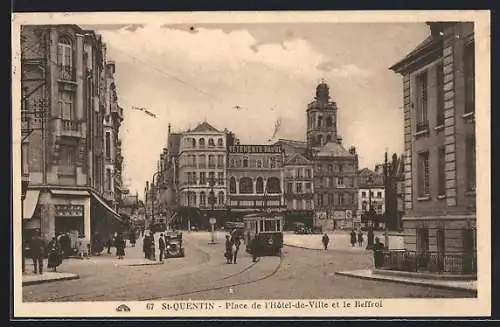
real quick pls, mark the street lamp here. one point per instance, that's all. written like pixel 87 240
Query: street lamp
pixel 153 195
pixel 370 236
pixel 211 200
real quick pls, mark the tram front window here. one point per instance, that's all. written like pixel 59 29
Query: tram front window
pixel 270 226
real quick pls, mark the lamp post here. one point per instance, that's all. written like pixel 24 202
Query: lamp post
pixel 370 235
pixel 153 197
pixel 211 200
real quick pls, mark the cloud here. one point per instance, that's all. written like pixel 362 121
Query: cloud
pixel 345 71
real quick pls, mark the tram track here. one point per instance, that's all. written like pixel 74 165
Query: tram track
pixel 219 287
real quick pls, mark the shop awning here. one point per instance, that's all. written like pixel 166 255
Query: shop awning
pixel 70 192
pixel 106 206
pixel 29 203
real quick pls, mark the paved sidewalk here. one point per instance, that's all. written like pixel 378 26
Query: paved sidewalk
pixel 338 241
pixel 470 286
pixel 47 277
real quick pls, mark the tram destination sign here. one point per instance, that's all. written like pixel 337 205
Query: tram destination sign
pixel 255 149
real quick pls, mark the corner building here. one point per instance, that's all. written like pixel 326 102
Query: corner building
pixel 63 108
pixel 202 173
pixel 439 125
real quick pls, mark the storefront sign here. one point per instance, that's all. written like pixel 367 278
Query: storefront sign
pixel 255 149
pixel 68 210
pixel 338 215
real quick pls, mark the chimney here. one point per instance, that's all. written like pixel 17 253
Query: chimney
pixel 339 140
pixel 352 150
pixel 169 128
pixel 147 186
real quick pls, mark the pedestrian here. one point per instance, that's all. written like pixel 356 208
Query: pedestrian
pixel 353 238
pixel 254 248
pixel 378 248
pixel 37 251
pixel 360 239
pixel 325 241
pixel 120 246
pixel 109 243
pixel 152 249
pixel 146 246
pixel 161 246
pixel 65 242
pixel 54 254
pixel 229 250
pixel 82 247
pixel 237 243
pixel 132 237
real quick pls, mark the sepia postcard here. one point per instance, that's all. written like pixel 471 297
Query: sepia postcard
pixel 251 164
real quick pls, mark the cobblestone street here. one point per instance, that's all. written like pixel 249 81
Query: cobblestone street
pixel 202 274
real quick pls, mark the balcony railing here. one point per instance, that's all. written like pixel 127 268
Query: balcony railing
pixel 422 126
pixel 67 73
pixel 71 125
pixel 434 262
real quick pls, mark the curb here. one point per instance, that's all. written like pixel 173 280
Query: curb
pixel 407 282
pixel 43 281
pixel 330 249
pixel 429 276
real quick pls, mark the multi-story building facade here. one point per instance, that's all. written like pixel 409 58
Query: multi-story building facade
pixel 371 191
pixel 202 172
pixel 439 138
pixel 256 179
pixel 299 187
pixel 62 108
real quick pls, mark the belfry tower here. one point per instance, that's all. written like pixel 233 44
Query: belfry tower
pixel 321 118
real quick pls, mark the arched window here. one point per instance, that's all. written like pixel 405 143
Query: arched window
pixel 232 185
pixel 320 121
pixel 221 198
pixel 329 121
pixel 220 142
pixel 203 198
pixel 193 143
pixel 201 142
pixel 328 138
pixel 330 168
pixel 211 161
pixel 259 187
pixel 65 52
pixel 273 185
pixel 245 163
pixel 211 142
pixel 246 185
pixel 259 163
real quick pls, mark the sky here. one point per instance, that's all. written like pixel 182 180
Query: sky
pixel 186 74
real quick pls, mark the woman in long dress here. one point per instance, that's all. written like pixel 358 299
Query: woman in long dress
pixel 54 253
pixel 120 246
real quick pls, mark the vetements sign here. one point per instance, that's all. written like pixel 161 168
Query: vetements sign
pixel 69 210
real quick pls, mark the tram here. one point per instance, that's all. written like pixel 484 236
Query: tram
pixel 266 230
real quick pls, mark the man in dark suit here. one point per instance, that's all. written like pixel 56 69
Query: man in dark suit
pixel 161 246
pixel 37 252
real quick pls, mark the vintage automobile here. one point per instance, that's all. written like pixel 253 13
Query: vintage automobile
pixel 263 234
pixel 173 240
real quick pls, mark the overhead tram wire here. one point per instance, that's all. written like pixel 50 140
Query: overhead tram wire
pixel 169 75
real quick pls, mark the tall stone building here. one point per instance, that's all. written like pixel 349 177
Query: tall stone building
pixel 64 70
pixel 439 126
pixel 202 173
pixel 335 168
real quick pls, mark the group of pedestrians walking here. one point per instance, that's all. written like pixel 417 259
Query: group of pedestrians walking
pixel 38 250
pixel 149 247
pixel 357 238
